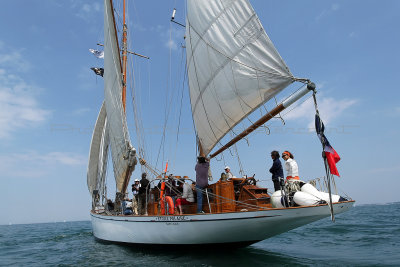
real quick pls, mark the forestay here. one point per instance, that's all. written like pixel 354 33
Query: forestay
pixel 123 154
pixel 233 66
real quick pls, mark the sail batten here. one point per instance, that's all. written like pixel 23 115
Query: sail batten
pixel 233 67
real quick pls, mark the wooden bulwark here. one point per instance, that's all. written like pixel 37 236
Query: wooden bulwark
pixel 224 196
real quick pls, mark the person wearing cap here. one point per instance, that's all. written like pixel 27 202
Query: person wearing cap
pixel 228 172
pixel 292 170
pixel 142 194
pixel 201 180
pixel 276 170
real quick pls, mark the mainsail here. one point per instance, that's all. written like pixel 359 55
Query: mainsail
pixel 123 154
pixel 233 67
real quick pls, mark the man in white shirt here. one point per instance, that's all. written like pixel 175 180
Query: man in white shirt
pixel 228 172
pixel 187 197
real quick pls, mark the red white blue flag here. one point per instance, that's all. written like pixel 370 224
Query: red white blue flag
pixel 332 156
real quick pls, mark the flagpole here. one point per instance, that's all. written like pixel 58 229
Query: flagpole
pixel 328 176
pixel 327 170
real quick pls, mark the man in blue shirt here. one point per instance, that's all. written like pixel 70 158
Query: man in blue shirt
pixel 276 169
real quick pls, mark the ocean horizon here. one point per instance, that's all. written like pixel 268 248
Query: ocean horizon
pixel 367 235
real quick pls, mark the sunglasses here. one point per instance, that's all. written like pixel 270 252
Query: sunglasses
pixel 283 155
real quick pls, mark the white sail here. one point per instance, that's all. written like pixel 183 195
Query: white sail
pixel 123 154
pixel 98 154
pixel 233 66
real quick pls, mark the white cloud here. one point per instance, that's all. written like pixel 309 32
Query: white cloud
pixel 329 109
pixel 320 15
pixel 394 169
pixel 171 44
pixel 34 165
pixel 352 34
pixel 80 111
pixel 335 7
pixel 13 60
pixel 34 29
pixel 327 11
pixel 173 37
pixel 87 11
pixel 18 105
pixel 139 27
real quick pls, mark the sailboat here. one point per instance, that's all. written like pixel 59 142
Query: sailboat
pixel 233 69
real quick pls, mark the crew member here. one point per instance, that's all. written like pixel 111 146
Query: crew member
pixel 292 170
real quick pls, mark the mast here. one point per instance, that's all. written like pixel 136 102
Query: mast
pixel 124 60
pixel 115 60
pixel 267 117
pixel 124 63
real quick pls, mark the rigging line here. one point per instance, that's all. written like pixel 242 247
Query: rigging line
pixel 171 89
pixel 138 116
pixel 279 114
pixel 181 105
pixel 176 88
pixel 193 124
pixel 334 184
pixel 296 106
pixel 167 106
pixel 138 108
pixel 136 112
pixel 241 171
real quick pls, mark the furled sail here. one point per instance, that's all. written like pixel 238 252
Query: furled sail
pixel 233 66
pixel 98 154
pixel 123 154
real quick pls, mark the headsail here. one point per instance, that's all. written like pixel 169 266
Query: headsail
pixel 233 66
pixel 98 154
pixel 123 154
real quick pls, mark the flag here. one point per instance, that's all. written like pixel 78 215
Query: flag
pixel 98 71
pixel 97 53
pixel 332 156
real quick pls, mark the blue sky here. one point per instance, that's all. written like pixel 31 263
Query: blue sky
pixel 49 98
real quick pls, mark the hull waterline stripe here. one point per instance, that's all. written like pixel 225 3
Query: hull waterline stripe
pixel 189 220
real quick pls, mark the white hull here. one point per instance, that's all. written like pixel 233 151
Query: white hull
pixel 239 227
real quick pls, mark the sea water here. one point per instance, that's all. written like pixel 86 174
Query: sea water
pixel 367 235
